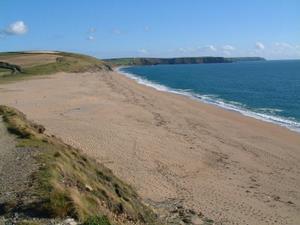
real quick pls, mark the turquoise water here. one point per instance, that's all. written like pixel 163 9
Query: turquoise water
pixel 267 90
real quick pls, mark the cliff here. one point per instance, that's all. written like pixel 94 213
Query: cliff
pixel 182 60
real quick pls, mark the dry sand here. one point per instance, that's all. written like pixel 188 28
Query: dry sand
pixel 173 150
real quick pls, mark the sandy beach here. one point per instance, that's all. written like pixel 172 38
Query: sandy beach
pixel 173 150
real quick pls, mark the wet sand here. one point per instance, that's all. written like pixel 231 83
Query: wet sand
pixel 173 150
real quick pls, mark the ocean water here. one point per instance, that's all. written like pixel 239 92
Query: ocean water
pixel 266 90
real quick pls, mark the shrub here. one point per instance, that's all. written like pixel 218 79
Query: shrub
pixel 97 220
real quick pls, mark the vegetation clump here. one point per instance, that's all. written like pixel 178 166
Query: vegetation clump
pixel 97 220
pixel 13 68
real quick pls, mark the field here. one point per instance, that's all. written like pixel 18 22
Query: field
pixel 36 63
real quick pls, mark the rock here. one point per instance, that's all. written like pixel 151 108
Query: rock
pixel 208 221
pixel 88 188
pixel 192 212
pixel 39 128
pixel 70 221
pixel 187 220
pixel 200 214
pixel 174 211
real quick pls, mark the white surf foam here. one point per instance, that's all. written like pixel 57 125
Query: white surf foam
pixel 214 100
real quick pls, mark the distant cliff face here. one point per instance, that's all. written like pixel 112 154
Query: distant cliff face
pixel 239 59
pixel 157 61
pixel 183 60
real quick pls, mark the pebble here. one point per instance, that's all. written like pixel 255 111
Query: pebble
pixel 69 221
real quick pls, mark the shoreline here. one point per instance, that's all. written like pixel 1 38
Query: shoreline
pixel 173 150
pixel 207 99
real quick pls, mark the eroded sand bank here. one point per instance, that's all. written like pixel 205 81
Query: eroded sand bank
pixel 233 169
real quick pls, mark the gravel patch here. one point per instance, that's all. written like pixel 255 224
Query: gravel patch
pixel 16 166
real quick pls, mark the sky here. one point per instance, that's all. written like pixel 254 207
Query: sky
pixel 153 28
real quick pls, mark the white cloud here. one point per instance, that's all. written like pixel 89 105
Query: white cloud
pixel 16 28
pixel 91 38
pixel 280 50
pixel 228 48
pixel 259 46
pixel 206 50
pixel 283 45
pixel 210 48
pixel 143 51
pixel 91 34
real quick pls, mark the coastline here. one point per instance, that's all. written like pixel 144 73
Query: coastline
pixel 172 149
pixel 208 99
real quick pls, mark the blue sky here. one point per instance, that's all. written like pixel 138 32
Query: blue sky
pixel 156 28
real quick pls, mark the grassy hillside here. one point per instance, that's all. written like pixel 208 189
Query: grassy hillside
pixel 157 61
pixel 37 63
pixel 69 184
pixel 185 60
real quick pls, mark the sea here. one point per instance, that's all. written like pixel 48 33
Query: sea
pixel 266 90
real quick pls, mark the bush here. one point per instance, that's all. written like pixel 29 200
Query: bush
pixel 97 220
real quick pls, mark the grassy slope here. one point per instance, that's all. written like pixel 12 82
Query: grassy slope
pixel 157 61
pixel 184 60
pixel 48 63
pixel 69 183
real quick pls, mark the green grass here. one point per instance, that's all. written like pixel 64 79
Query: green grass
pixel 68 183
pixel 4 72
pixel 97 220
pixel 65 62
